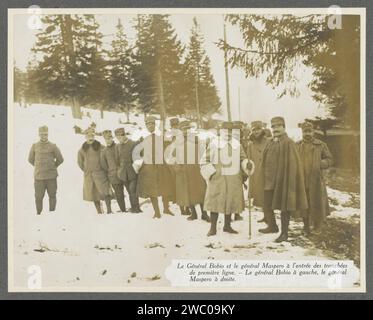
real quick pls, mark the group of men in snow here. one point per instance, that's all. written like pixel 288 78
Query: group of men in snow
pixel 283 175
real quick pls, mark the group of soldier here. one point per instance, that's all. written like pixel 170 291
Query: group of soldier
pixel 282 175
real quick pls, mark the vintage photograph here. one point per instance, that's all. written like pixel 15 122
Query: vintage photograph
pixel 175 150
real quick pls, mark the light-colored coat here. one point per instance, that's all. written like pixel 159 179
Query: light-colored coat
pixel 224 193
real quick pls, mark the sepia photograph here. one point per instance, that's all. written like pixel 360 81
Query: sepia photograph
pixel 186 150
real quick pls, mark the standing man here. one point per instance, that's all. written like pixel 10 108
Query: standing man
pixel 126 172
pixel 255 148
pixel 190 185
pixel 45 157
pixel 315 157
pixel 110 165
pixel 96 184
pixel 155 177
pixel 221 168
pixel 283 180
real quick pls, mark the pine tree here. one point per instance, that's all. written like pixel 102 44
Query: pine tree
pixel 91 63
pixel 159 71
pixel 57 73
pixel 276 46
pixel 145 86
pixel 201 90
pixel 33 93
pixel 19 85
pixel 120 69
pixel 72 65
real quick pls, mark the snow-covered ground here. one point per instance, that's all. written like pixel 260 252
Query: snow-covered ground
pixel 75 247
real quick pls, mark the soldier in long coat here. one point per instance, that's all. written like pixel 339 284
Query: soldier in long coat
pixel 45 157
pixel 96 184
pixel 110 165
pixel 190 185
pixel 283 180
pixel 255 148
pixel 221 167
pixel 315 157
pixel 155 179
pixel 126 172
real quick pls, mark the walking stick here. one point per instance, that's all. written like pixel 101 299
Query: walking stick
pixel 248 195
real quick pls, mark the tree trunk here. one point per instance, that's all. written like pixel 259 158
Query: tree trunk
pixel 102 112
pixel 128 113
pixel 75 108
pixel 70 61
pixel 161 95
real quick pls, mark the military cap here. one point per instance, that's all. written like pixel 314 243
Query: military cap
pixel 119 132
pixel 306 126
pixel 43 129
pixel 89 130
pixel 107 134
pixel 257 125
pixel 278 120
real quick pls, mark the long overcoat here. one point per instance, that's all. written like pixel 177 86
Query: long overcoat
pixel 190 185
pixel 255 149
pixel 96 184
pixel 319 159
pixel 155 178
pixel 224 193
pixel 289 192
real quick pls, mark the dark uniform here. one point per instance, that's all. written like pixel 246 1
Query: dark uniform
pixel 255 149
pixel 315 157
pixel 110 165
pixel 126 172
pixel 283 181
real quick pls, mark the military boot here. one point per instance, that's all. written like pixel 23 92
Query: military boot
pixel 285 219
pixel 98 206
pixel 306 227
pixel 205 216
pixel 271 224
pixel 108 204
pixel 227 224
pixel 157 213
pixel 193 216
pixel 214 221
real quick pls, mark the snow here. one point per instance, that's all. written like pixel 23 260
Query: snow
pixel 76 248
